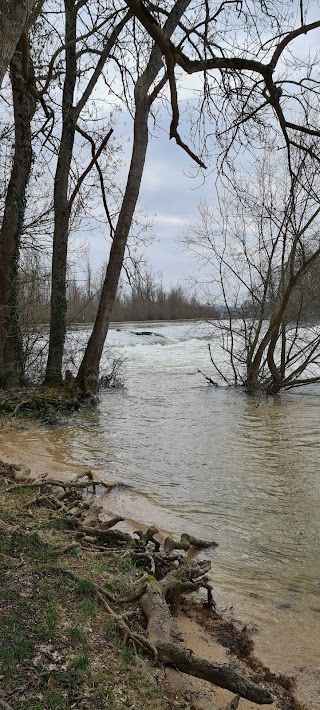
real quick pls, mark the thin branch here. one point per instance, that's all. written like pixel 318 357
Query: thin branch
pixel 89 167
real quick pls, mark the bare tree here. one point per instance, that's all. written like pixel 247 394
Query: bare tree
pixel 11 356
pixel 239 82
pixel 262 256
pixel 252 78
pixel 145 93
pixel 63 200
pixel 252 74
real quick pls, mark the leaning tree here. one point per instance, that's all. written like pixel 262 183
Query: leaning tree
pixel 250 76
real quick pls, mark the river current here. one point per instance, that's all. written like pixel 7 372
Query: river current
pixel 215 463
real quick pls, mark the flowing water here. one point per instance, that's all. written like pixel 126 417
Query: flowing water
pixel 212 462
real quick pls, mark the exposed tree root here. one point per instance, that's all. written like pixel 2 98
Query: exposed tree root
pixel 187 541
pixel 80 485
pixel 102 595
pixel 148 536
pixel 175 577
pixel 159 618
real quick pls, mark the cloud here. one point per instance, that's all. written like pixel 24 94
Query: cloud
pixel 171 220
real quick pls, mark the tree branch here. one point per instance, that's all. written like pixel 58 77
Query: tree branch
pixel 89 167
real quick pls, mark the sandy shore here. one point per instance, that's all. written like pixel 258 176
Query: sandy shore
pixel 22 443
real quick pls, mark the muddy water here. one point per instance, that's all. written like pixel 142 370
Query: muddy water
pixel 212 462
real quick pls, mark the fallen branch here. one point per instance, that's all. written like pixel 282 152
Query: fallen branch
pixel 70 484
pixel 105 535
pixel 80 580
pixel 159 618
pixel 126 631
pixel 218 674
pixel 186 541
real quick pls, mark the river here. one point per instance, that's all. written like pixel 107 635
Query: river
pixel 215 463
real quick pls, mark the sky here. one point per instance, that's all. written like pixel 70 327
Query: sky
pixel 172 187
pixel 170 190
pixel 170 193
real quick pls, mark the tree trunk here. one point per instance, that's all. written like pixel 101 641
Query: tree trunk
pixel 13 17
pixel 88 374
pixel 62 208
pixel 63 205
pixel 11 355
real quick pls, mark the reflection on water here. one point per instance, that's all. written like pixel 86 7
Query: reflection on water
pixel 219 465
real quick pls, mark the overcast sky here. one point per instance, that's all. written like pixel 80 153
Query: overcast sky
pixel 171 188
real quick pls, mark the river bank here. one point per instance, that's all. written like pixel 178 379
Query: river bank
pixel 210 636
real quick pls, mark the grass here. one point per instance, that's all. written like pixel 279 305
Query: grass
pixel 49 624
pixel 59 648
pixel 77 635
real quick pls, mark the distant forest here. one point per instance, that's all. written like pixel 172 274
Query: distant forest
pixel 144 301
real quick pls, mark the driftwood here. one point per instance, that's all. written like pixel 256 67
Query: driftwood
pixel 159 618
pixel 80 485
pixel 103 534
pixel 186 541
pixel 148 536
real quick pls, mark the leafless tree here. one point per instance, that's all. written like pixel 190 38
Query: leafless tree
pixel 64 194
pixel 11 355
pixel 244 52
pixel 145 93
pixel 252 70
pixel 252 77
pixel 261 252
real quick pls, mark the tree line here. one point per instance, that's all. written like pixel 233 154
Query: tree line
pixel 73 67
pixel 144 301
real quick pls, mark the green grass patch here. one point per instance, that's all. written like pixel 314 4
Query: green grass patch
pixel 48 627
pixel 89 607
pixel 16 645
pixel 77 635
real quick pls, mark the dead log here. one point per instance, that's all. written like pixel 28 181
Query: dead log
pixel 148 536
pixel 218 674
pixel 110 523
pixel 186 541
pixel 105 535
pixel 159 619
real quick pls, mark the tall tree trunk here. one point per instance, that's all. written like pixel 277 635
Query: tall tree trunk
pixel 11 356
pixel 88 373
pixel 13 17
pixel 62 207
